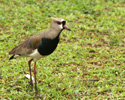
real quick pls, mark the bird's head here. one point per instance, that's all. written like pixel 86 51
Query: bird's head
pixel 59 24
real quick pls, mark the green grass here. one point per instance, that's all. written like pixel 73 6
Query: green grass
pixel 89 62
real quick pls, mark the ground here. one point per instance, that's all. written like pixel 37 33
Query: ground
pixel 89 62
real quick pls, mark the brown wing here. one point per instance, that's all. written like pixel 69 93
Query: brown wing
pixel 28 46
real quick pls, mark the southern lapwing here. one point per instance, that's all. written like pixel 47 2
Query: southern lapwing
pixel 40 45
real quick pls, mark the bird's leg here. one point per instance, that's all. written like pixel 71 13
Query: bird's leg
pixel 36 92
pixel 31 81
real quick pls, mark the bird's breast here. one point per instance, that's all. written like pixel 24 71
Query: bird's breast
pixel 47 46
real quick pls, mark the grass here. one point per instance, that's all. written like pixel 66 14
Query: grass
pixel 89 62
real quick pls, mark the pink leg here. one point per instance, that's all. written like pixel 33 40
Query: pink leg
pixel 31 82
pixel 35 79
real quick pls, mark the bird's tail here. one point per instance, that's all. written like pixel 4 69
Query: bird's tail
pixel 14 56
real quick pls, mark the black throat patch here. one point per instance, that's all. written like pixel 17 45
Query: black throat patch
pixel 47 46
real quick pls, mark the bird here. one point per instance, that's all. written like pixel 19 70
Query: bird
pixel 40 45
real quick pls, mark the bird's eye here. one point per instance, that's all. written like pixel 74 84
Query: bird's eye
pixel 59 23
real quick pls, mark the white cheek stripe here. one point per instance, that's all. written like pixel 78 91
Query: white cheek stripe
pixel 62 20
pixel 60 26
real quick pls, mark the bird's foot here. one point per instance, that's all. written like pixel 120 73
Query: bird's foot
pixel 37 96
pixel 31 84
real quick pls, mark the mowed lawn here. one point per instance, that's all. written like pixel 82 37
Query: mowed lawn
pixel 89 62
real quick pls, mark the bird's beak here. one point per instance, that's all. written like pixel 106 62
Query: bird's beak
pixel 66 27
